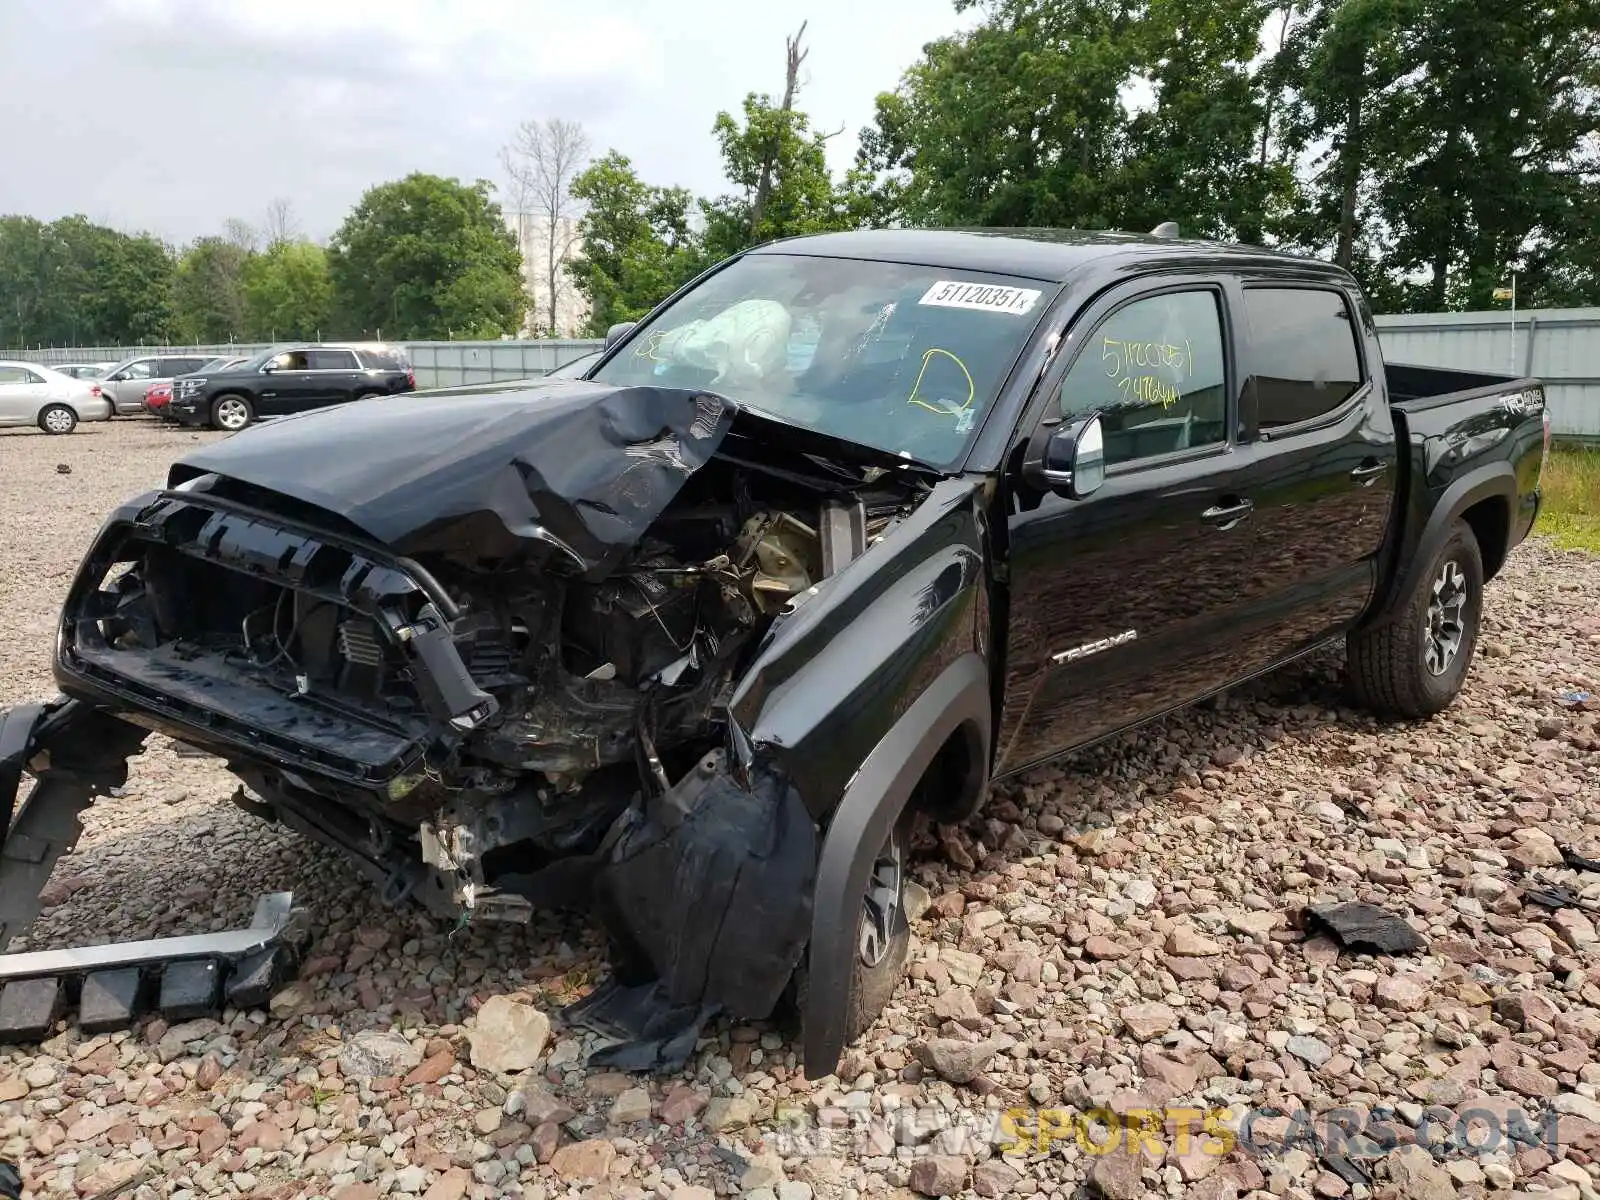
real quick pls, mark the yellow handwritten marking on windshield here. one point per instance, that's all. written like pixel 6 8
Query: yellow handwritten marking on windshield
pixel 650 345
pixel 945 409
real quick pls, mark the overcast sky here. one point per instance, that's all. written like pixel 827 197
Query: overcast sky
pixel 174 115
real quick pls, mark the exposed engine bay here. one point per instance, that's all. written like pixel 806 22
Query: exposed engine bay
pixel 488 732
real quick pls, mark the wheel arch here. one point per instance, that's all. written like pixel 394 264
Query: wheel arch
pixel 1484 498
pixel 954 710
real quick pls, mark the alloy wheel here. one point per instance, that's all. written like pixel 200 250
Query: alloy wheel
pixel 880 910
pixel 232 414
pixel 1444 627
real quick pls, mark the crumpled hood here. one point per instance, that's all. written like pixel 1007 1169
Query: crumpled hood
pixel 583 467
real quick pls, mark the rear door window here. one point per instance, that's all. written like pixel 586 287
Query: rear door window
pixel 1154 371
pixel 15 375
pixel 331 360
pixel 1304 357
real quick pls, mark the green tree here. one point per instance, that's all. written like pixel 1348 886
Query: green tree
pixel 637 244
pixel 72 282
pixel 1191 155
pixel 287 292
pixel 1018 121
pixel 208 293
pixel 427 257
pixel 778 166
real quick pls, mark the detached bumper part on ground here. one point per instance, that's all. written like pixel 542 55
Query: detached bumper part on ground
pixel 76 753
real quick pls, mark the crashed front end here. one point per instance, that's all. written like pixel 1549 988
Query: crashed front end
pixel 504 686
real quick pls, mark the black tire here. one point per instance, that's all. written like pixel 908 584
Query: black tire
pixel 1404 666
pixel 58 418
pixel 224 410
pixel 875 975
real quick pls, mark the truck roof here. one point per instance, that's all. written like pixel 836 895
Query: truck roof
pixel 1054 255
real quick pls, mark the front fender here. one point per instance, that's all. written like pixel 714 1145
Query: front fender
pixel 834 677
pixel 958 701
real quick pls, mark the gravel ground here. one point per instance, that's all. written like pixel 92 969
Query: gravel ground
pixel 1118 933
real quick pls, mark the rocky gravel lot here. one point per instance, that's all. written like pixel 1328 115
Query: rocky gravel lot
pixel 1120 933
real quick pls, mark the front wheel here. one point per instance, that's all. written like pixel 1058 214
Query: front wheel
pixel 1415 663
pixel 883 937
pixel 57 418
pixel 231 413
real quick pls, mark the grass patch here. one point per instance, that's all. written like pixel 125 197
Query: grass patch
pixel 1571 484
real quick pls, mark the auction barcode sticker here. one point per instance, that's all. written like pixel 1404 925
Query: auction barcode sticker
pixel 986 297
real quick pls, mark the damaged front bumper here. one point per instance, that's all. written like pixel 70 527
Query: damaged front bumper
pixel 197 699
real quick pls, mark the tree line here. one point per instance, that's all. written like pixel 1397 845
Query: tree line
pixel 1436 148
pixel 420 257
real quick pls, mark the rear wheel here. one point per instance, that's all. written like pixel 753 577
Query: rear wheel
pixel 57 418
pixel 231 413
pixel 1414 665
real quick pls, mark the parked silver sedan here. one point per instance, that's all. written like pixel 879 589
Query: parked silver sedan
pixel 35 395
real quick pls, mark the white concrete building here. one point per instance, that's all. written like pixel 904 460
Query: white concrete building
pixel 572 309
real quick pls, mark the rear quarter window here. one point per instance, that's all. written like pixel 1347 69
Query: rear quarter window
pixel 387 359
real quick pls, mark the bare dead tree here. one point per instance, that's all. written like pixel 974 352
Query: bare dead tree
pixel 280 224
pixel 541 161
pixel 241 234
pixel 794 56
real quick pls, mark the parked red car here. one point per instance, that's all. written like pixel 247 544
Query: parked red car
pixel 157 397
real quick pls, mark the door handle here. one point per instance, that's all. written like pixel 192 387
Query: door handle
pixel 1367 473
pixel 1226 516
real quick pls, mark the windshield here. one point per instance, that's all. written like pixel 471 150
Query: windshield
pixel 902 358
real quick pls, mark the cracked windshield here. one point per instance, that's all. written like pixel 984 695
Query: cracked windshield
pixel 901 358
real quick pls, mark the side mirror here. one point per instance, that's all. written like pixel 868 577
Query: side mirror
pixel 268 368
pixel 117 378
pixel 617 332
pixel 1067 458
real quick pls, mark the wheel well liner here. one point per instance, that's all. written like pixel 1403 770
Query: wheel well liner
pixel 957 702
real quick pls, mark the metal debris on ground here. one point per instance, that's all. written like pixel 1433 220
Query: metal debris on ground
pixel 1364 928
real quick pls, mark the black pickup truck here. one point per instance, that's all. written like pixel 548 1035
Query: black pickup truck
pixel 846 530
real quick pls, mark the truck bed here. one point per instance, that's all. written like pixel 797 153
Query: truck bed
pixel 1413 387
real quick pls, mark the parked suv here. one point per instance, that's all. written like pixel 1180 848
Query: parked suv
pixel 290 379
pixel 126 383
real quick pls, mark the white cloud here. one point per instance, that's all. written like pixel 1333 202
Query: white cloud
pixel 174 115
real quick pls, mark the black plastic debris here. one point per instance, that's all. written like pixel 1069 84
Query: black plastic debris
pixel 1364 928
pixel 1578 862
pixel 706 897
pixel 653 1033
pixel 1550 896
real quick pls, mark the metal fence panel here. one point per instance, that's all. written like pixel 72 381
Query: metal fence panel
pixel 451 364
pixel 437 364
pixel 56 355
pixel 1559 345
